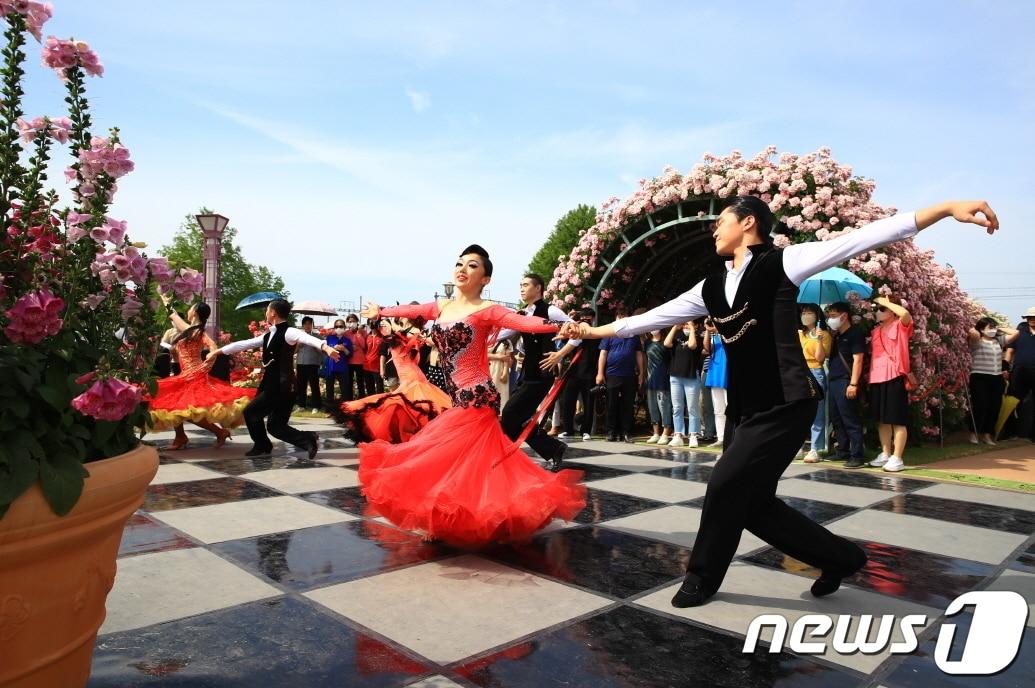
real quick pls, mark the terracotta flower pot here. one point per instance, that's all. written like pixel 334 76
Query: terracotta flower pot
pixel 55 572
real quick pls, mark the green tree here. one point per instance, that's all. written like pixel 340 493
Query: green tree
pixel 239 278
pixel 562 240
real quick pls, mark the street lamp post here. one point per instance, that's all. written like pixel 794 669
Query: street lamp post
pixel 449 287
pixel 212 226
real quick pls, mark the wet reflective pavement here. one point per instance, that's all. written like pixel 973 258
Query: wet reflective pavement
pixel 275 572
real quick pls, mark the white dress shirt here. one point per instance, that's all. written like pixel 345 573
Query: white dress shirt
pixel 800 261
pixel 292 335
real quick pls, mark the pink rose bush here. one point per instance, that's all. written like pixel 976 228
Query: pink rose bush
pixel 816 199
pixel 79 323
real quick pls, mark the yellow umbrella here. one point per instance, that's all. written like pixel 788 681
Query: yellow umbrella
pixel 1009 404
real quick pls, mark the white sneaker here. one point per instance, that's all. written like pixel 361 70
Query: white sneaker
pixel 691 441
pixel 653 439
pixel 812 457
pixel 894 464
pixel 990 442
pixel 716 443
pixel 586 437
pixel 316 412
pixel 677 441
pixel 563 436
pixel 974 439
pixel 881 459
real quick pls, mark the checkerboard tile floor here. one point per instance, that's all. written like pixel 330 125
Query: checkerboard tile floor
pixel 273 572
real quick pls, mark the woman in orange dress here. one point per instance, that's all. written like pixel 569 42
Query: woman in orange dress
pixel 194 395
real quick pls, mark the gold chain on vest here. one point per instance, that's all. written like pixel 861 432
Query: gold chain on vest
pixel 744 328
pixel 736 315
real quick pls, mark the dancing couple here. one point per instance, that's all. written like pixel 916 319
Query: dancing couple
pixel 772 396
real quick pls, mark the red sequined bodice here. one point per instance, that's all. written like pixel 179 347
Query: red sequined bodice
pixel 188 352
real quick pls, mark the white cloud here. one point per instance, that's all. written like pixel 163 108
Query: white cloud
pixel 420 100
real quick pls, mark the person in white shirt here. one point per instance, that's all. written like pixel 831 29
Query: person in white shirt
pixel 772 396
pixel 276 395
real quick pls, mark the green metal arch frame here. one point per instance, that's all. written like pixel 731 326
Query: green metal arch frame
pixel 653 229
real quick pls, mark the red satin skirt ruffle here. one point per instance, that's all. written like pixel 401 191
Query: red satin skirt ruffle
pixel 394 416
pixel 196 397
pixel 462 481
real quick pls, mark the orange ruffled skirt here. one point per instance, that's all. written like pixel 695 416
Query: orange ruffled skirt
pixel 197 397
pixel 394 416
pixel 462 481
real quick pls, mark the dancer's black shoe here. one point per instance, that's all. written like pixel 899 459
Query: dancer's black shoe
pixel 828 583
pixel 558 458
pixel 258 451
pixel 690 593
pixel 314 445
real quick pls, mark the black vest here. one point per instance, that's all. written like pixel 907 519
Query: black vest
pixel 537 345
pixel 277 359
pixel 765 364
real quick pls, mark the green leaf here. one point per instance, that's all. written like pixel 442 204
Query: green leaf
pixel 53 397
pixel 61 478
pixel 17 472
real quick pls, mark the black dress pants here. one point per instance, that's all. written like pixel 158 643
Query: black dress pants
pixel 277 406
pixel 986 397
pixel 308 377
pixel 1022 383
pixel 742 495
pixel 574 389
pixel 519 410
pixel 621 405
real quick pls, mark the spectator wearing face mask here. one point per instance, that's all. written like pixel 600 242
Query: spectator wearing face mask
pixel 987 379
pixel 685 383
pixel 338 371
pixel 889 371
pixel 358 338
pixel 845 367
pixel 307 367
pixel 815 344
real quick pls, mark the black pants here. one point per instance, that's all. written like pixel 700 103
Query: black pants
pixel 308 380
pixel 844 416
pixel 344 382
pixel 986 397
pixel 519 410
pixel 621 404
pixel 742 495
pixel 574 389
pixel 1022 383
pixel 375 384
pixel 277 406
pixel 360 377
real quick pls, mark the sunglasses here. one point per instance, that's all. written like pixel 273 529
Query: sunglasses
pixel 882 309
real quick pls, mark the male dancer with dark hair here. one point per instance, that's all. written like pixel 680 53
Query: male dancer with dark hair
pixel 276 395
pixel 541 362
pixel 772 394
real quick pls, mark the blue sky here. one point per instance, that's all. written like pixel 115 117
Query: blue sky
pixel 358 147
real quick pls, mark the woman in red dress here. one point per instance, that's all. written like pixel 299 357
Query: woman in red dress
pixel 460 479
pixel 398 415
pixel 195 396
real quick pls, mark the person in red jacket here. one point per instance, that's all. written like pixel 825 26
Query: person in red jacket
pixel 372 364
pixel 355 334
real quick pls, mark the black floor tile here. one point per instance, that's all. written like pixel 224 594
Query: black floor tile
pixel 323 555
pixel 573 451
pixel 820 512
pixel 202 493
pixel 164 460
pixel 693 472
pixel 591 472
pixel 599 559
pixel 919 670
pixel 281 642
pixel 142 535
pixel 1026 561
pixel 680 455
pixel 923 577
pixel 602 505
pixel 999 518
pixel 876 481
pixel 264 463
pixel 348 499
pixel 629 648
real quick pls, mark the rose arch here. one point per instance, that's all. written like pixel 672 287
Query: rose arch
pixel 656 244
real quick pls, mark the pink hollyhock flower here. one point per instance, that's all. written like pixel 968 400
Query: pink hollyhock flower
pixel 93 300
pixel 109 399
pixel 34 317
pixel 61 55
pixel 36 14
pixel 161 272
pixel 104 156
pixel 131 307
pixel 187 284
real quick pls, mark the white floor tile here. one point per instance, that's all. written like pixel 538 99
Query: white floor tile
pixel 298 480
pixel 250 517
pixel 1019 582
pixel 638 464
pixel 654 487
pixel 182 472
pixel 675 524
pixel 981 495
pixel 163 586
pixel 832 493
pixel 452 609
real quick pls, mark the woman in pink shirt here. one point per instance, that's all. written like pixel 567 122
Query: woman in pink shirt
pixel 889 368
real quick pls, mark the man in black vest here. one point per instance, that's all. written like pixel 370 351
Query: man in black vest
pixel 541 360
pixel 772 395
pixel 276 395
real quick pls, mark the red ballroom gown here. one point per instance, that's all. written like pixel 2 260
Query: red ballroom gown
pixel 397 416
pixel 460 479
pixel 194 395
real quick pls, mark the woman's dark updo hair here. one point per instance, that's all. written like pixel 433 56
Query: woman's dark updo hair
pixel 202 310
pixel 744 206
pixel 475 249
pixel 985 322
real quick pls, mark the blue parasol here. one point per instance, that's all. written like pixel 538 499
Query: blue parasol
pixel 258 300
pixel 832 285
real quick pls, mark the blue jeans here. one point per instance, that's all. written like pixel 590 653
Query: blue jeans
pixel 659 403
pixel 819 424
pixel 686 392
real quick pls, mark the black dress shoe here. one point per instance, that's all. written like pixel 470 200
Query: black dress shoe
pixel 612 438
pixel 314 445
pixel 828 582
pixel 259 451
pixel 690 593
pixel 855 462
pixel 625 438
pixel 557 458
